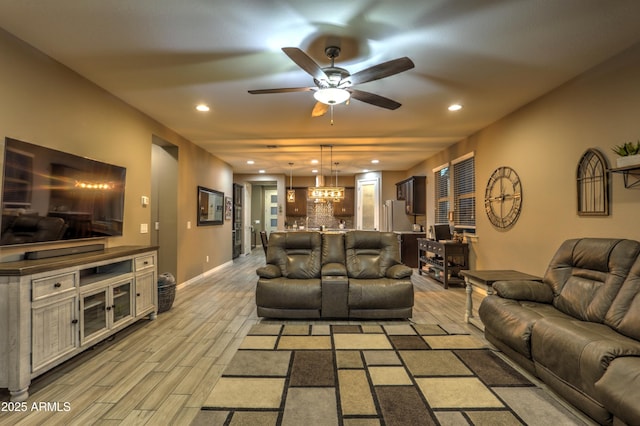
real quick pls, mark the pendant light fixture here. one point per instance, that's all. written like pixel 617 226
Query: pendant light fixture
pixel 337 199
pixel 291 193
pixel 320 192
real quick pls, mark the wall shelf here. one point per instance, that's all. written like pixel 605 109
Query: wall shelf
pixel 630 174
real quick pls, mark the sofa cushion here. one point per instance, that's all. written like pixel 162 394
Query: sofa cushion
pixel 297 254
pixel 333 256
pixel 586 274
pixel 511 321
pixel 369 254
pixel 624 313
pixel 619 389
pixel 332 248
pixel 578 352
pixel 287 293
pixel 381 293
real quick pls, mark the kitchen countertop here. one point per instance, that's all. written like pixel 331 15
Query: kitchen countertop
pixel 318 230
pixel 347 230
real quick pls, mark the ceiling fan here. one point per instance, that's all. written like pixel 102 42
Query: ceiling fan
pixel 334 85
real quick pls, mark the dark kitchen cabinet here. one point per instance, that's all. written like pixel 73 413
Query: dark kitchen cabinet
pixel 414 191
pixel 408 243
pixel 346 206
pixel 299 206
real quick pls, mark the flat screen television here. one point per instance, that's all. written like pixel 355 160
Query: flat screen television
pixel 50 195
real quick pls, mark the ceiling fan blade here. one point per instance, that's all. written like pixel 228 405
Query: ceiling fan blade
pixel 373 99
pixel 319 109
pixel 305 62
pixel 281 90
pixel 379 71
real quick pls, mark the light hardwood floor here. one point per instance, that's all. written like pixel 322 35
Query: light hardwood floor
pixel 160 372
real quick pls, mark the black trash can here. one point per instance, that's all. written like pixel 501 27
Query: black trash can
pixel 166 291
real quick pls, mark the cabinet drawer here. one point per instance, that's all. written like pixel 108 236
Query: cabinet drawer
pixel 44 287
pixel 144 262
pixel 435 248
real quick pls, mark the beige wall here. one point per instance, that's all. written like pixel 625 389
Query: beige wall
pixel 44 103
pixel 543 142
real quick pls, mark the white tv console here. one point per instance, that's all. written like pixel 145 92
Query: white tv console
pixel 52 309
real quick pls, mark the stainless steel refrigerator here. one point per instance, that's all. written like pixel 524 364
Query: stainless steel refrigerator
pixel 394 217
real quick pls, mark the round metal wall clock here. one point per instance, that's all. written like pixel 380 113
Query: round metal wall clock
pixel 503 198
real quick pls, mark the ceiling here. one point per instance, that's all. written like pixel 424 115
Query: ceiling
pixel 165 56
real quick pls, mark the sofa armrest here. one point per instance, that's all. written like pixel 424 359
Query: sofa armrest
pixel 619 389
pixel 533 291
pixel 269 271
pixel 399 271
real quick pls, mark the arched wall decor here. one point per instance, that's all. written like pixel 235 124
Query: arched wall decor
pixel 593 184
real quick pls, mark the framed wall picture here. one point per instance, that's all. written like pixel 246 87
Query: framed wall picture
pixel 210 206
pixel 228 206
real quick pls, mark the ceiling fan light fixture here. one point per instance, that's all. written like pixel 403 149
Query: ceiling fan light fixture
pixel 332 95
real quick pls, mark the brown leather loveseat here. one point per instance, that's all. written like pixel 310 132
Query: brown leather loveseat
pixel 357 274
pixel 579 329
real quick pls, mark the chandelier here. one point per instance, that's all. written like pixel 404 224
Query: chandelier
pixel 320 192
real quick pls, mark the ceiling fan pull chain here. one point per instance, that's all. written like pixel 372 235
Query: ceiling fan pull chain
pixel 331 115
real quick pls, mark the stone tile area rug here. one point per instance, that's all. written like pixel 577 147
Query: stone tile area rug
pixel 361 375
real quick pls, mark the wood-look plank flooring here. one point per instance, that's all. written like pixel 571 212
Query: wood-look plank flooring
pixel 160 372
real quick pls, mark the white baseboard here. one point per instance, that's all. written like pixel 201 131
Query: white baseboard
pixel 202 275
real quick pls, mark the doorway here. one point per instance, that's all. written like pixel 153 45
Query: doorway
pixel 270 210
pixel 368 204
pixel 164 204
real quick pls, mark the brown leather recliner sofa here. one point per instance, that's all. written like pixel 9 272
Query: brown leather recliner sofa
pixel 579 329
pixel 357 274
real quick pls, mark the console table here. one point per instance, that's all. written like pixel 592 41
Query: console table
pixel 484 280
pixel 57 307
pixel 442 260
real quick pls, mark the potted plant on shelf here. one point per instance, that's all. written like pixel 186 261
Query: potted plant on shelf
pixel 629 153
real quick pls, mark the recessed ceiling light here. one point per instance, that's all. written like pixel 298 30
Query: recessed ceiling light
pixel 251 162
pixel 202 107
pixel 260 171
pixel 314 161
pixel 314 171
pixel 375 161
pixel 365 170
pixel 455 107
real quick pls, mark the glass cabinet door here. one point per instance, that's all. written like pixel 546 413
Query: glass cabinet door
pixel 94 314
pixel 121 297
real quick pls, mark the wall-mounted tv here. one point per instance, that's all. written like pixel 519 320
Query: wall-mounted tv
pixel 50 195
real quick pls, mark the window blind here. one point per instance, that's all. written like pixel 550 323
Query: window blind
pixel 441 181
pixel 464 193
